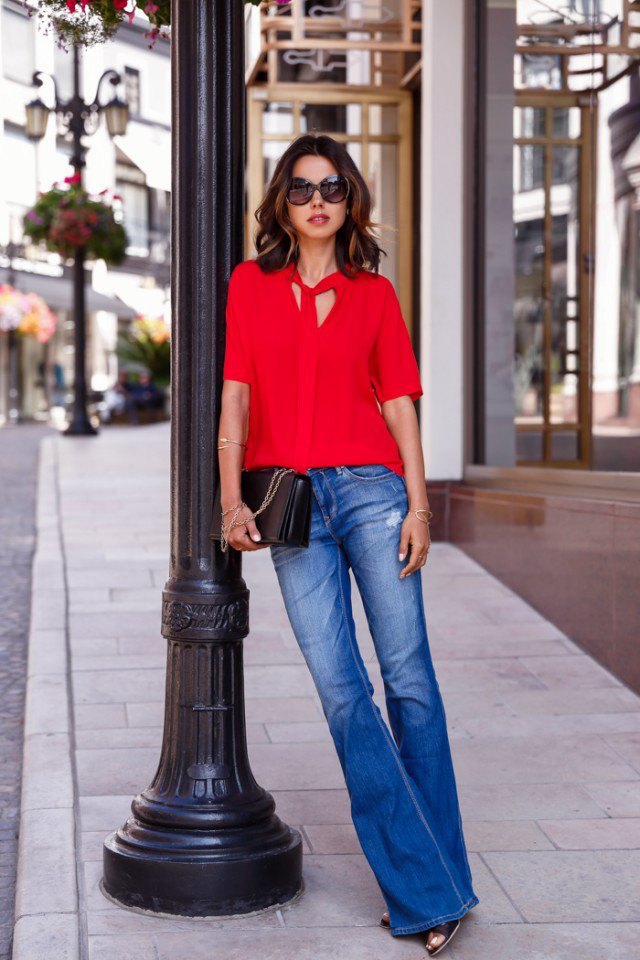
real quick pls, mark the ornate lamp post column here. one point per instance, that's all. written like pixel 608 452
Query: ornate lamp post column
pixel 78 118
pixel 203 838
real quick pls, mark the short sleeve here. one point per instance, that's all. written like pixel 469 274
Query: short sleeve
pixel 393 367
pixel 237 362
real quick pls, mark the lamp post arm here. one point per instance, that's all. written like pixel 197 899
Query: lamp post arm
pixel 38 81
pixel 114 78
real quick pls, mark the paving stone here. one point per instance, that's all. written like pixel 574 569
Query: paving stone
pixel 567 672
pixel 313 806
pixel 93 715
pixel 546 941
pixel 620 834
pixel 126 770
pixel 497 675
pixel 542 725
pixel 566 701
pixel 549 886
pixel 111 686
pixel 126 947
pixel 340 890
pixel 104 813
pixel 347 943
pixel 46 937
pixel 463 648
pixel 297 732
pixel 537 760
pixel 526 801
pixel 616 798
pixel 333 838
pixel 481 835
pixel 47 880
pixel 48 779
pixel 628 746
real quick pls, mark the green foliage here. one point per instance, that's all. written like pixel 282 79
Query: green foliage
pixel 147 345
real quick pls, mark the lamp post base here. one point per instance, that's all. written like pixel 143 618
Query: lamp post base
pixel 80 427
pixel 179 877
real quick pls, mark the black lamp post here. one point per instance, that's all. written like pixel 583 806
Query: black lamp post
pixel 79 118
pixel 203 838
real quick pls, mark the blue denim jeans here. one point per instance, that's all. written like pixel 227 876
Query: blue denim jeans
pixel 402 788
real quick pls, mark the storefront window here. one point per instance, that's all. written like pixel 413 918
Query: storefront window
pixel 562 389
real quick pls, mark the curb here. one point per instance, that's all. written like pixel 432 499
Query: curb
pixel 46 910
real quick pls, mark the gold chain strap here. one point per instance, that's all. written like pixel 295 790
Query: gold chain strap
pixel 276 480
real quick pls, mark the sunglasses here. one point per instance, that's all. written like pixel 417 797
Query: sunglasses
pixel 334 189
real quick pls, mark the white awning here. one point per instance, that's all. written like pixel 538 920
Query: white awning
pixel 150 151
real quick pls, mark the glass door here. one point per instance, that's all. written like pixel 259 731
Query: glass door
pixel 553 258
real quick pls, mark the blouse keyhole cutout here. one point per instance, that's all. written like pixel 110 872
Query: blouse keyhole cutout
pixel 324 302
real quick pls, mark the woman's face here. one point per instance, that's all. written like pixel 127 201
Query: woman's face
pixel 317 219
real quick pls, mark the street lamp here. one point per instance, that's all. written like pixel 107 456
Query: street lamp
pixel 203 838
pixel 78 118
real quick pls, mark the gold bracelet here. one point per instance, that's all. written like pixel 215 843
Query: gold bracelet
pixel 227 440
pixel 423 510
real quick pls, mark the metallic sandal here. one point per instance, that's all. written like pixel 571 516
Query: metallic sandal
pixel 448 929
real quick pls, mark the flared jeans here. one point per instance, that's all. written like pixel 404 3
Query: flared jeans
pixel 401 782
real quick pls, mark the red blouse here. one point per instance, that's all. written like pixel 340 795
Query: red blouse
pixel 315 391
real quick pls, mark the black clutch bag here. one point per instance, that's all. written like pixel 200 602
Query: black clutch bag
pixel 280 497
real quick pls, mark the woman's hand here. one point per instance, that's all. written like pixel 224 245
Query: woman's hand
pixel 245 536
pixel 415 533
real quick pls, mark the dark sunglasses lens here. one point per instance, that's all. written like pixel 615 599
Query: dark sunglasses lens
pixel 334 189
pixel 299 191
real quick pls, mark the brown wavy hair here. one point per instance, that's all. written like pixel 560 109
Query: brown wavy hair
pixel 276 240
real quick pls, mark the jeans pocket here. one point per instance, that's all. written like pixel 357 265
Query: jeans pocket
pixel 369 471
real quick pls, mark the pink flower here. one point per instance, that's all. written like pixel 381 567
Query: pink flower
pixel 71 6
pixel 151 7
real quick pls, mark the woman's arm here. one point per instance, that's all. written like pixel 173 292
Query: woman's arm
pixel 402 422
pixel 234 418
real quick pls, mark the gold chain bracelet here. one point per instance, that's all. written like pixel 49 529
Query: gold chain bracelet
pixel 227 440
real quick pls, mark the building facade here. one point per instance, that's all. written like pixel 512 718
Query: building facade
pixel 136 166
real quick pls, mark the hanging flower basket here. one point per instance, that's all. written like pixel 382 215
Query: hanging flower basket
pixel 68 217
pixel 87 22
pixel 26 313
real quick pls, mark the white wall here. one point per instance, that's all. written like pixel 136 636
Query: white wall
pixel 441 320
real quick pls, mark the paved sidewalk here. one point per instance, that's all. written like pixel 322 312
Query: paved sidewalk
pixel 546 747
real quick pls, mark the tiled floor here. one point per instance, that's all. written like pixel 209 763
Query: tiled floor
pixel 546 746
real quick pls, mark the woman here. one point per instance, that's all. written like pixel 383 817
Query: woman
pixel 319 366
